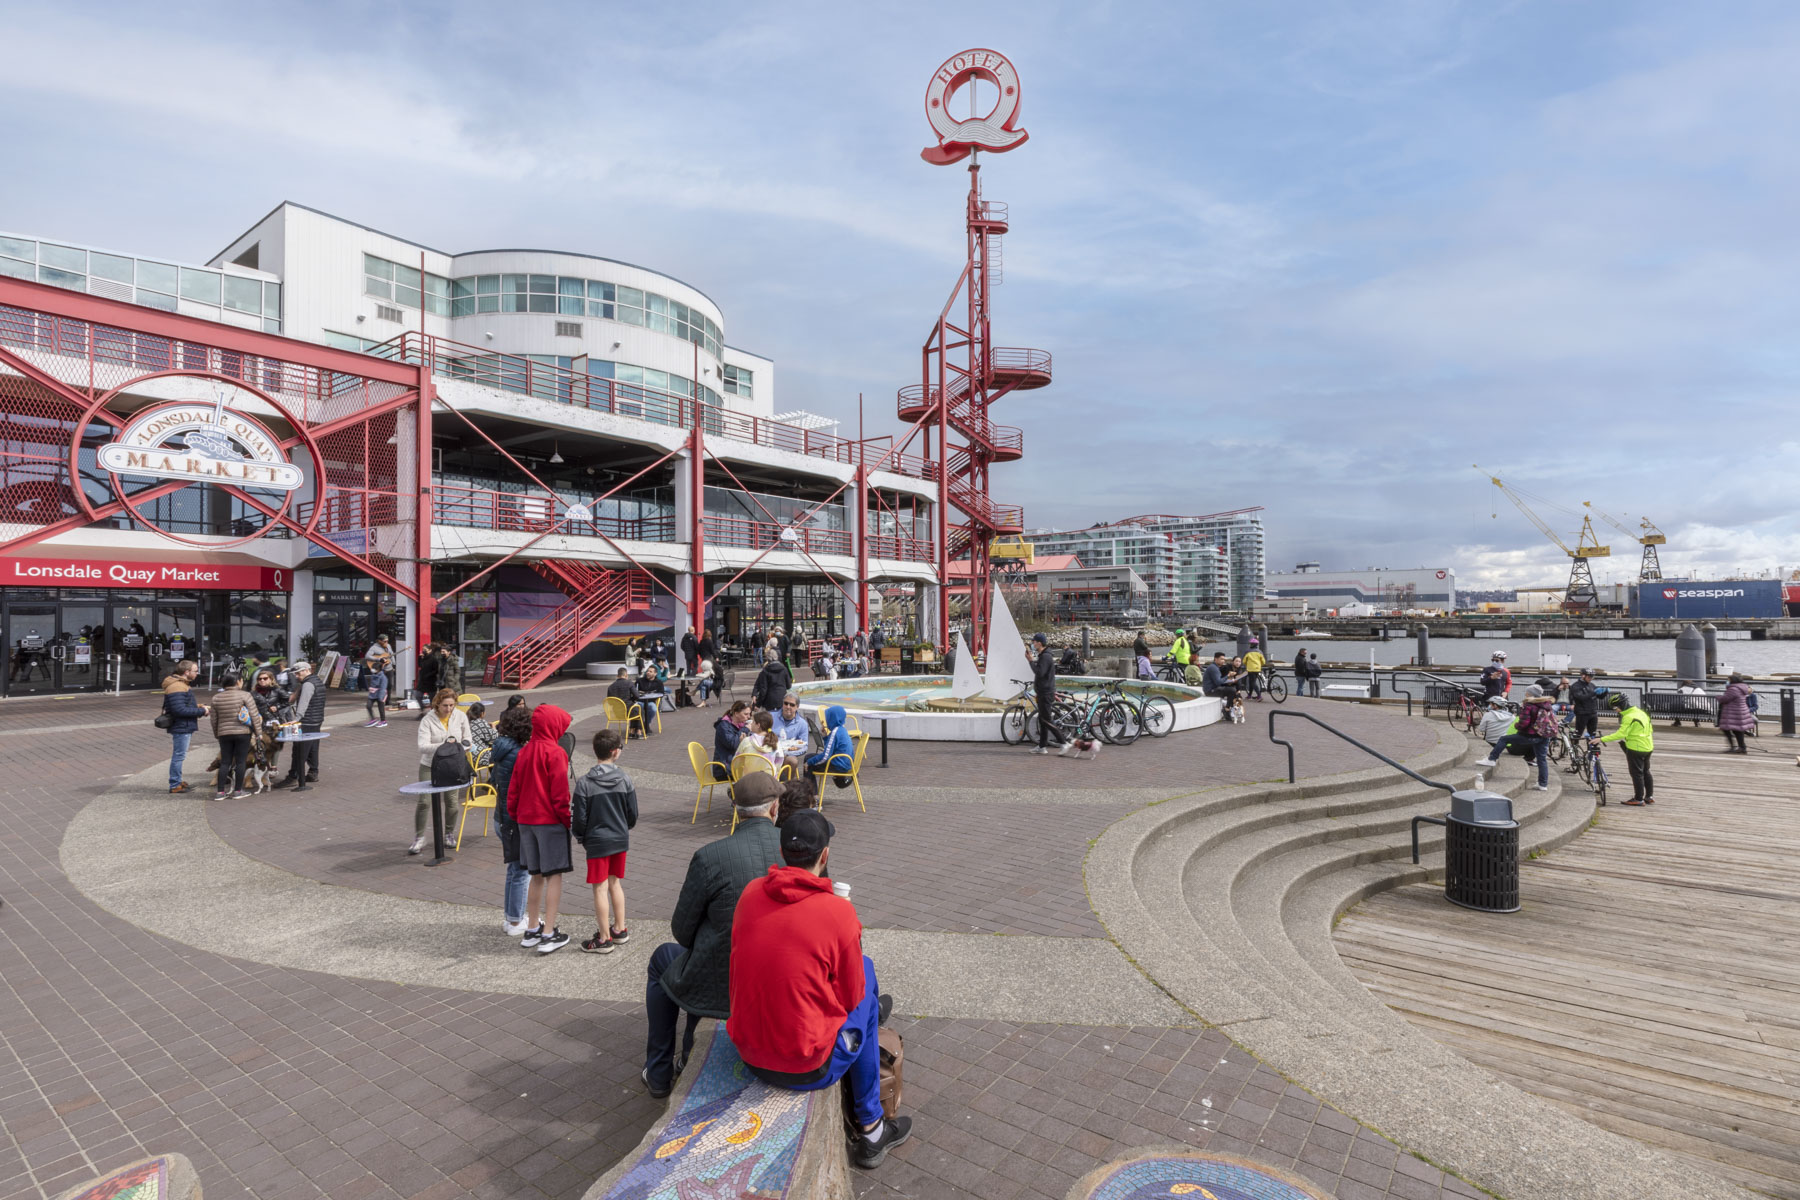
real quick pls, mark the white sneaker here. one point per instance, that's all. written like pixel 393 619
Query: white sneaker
pixel 1542 787
pixel 512 930
pixel 1486 762
pixel 1041 750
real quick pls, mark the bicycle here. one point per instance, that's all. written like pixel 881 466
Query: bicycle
pixel 1273 686
pixel 1467 710
pixel 1593 771
pixel 1170 671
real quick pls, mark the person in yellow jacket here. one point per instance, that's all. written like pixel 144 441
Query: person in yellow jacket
pixel 1181 652
pixel 1634 731
pixel 1254 662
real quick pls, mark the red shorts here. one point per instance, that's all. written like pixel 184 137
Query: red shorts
pixel 600 868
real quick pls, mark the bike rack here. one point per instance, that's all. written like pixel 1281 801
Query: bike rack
pixel 1395 672
pixel 1370 750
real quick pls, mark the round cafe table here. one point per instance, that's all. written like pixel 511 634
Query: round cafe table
pixel 317 735
pixel 436 791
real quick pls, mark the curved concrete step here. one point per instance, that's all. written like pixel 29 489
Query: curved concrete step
pixel 1226 900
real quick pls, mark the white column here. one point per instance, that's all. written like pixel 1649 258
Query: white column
pixel 406 654
pixel 300 613
pixel 684 588
pixel 929 596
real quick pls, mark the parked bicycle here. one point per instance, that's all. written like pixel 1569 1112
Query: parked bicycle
pixel 1273 686
pixel 1466 711
pixel 1593 771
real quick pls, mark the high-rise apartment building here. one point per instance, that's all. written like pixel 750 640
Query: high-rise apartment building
pixel 1194 564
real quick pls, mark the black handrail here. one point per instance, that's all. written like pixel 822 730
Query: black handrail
pixel 1394 686
pixel 1273 713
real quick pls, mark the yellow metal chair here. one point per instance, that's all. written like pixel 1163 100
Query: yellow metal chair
pixel 479 762
pixel 837 769
pixel 703 775
pixel 626 715
pixel 482 796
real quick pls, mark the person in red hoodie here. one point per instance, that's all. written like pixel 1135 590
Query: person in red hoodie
pixel 537 797
pixel 804 1003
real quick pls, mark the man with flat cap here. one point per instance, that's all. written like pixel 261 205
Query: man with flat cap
pixel 690 974
pixel 804 1002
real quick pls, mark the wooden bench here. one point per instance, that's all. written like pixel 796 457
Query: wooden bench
pixel 727 1133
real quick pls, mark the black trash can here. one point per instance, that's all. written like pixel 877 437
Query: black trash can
pixel 1481 852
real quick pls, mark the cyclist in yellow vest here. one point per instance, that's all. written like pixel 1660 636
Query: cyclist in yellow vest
pixel 1634 731
pixel 1253 667
pixel 1180 651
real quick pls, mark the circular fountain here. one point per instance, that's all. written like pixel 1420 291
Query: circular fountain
pixel 920 707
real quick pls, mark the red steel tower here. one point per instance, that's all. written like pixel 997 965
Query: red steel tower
pixel 962 372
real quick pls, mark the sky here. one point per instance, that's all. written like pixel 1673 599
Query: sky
pixel 1316 257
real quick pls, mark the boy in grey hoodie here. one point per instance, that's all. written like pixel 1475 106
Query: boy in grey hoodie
pixel 602 810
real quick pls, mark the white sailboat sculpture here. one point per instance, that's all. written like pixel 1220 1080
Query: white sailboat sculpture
pixel 1008 670
pixel 966 681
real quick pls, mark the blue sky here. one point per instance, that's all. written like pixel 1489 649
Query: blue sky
pixel 1320 257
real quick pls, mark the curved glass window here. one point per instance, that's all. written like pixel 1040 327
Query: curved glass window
pixel 569 296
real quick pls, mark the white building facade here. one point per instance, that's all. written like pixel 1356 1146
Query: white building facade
pixel 1191 565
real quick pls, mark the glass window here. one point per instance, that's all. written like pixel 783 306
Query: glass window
pixel 570 306
pixel 657 304
pixel 245 295
pixel 631 296
pixel 631 316
pixel 487 304
pixel 657 323
pixel 514 283
pixel 485 284
pixel 600 367
pixel 544 283
pixel 66 258
pixel 378 268
pixel 437 295
pixel 156 300
pixel 409 276
pixel 16 269
pixel 599 291
pixel 406 297
pixel 199 285
pixel 67 279
pixel 626 373
pixel 571 287
pixel 110 266
pixel 679 311
pixel 18 248
pixel 271 299
pixel 462 306
pixel 543 304
pixel 512 302
pixel 462 287
pixel 598 308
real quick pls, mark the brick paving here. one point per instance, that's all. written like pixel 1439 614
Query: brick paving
pixel 115 1043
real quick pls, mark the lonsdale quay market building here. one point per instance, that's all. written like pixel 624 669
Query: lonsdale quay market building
pixel 329 432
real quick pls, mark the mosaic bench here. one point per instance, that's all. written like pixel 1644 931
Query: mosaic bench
pixel 166 1177
pixel 727 1134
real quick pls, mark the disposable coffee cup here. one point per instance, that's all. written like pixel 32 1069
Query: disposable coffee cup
pixel 841 889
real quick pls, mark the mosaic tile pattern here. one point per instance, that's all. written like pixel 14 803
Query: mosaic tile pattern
pixel 1200 1176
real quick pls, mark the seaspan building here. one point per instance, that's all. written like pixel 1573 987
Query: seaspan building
pixel 328 432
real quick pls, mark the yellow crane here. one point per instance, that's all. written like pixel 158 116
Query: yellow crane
pixel 1581 593
pixel 1646 535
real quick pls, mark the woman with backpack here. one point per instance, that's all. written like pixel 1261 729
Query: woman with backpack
pixel 443 724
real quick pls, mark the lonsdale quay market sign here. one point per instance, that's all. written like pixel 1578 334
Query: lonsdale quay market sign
pixel 100 573
pixel 161 433
pixel 202 442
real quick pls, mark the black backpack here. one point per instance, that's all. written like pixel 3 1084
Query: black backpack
pixel 450 766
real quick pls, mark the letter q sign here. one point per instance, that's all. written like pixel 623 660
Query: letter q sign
pixel 996 131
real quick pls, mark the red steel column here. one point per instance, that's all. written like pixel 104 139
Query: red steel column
pixel 427 506
pixel 862 541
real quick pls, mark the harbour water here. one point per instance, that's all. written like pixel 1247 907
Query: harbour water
pixel 1602 654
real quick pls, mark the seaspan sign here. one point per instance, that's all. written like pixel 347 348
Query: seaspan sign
pixel 203 443
pixel 102 573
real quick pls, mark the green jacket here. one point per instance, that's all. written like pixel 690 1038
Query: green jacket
pixel 1634 727
pixel 1180 651
pixel 699 980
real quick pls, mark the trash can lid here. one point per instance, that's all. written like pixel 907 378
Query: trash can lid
pixel 1481 808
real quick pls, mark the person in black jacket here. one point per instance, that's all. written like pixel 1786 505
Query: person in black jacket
pixel 692 973
pixel 728 731
pixel 648 697
pixel 1140 648
pixel 1043 684
pixel 690 652
pixel 309 701
pixel 772 683
pixel 603 809
pixel 511 732
pixel 430 667
pixel 1584 700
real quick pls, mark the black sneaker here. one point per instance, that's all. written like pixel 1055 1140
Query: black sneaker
pixel 532 937
pixel 884 1004
pixel 651 1088
pixel 555 940
pixel 619 936
pixel 598 944
pixel 867 1152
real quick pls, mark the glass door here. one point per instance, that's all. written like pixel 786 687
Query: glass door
pixel 31 638
pixel 177 634
pixel 83 646
pixel 133 627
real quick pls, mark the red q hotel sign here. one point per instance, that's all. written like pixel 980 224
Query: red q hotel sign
pixel 995 132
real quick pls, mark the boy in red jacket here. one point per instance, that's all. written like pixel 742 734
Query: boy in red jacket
pixel 804 1004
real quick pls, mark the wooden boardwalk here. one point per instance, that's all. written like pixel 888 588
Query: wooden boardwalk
pixel 1652 981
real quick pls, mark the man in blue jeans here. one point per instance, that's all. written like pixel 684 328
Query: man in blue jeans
pixel 804 1002
pixel 184 713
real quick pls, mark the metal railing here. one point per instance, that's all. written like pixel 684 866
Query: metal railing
pixel 519 374
pixel 517 512
pixel 1370 750
pixel 743 533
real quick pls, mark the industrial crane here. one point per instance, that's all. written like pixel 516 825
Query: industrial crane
pixel 1647 535
pixel 1581 593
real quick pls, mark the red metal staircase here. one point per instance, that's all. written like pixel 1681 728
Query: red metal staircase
pixel 598 598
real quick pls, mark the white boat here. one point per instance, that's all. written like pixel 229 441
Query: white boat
pixel 1310 633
